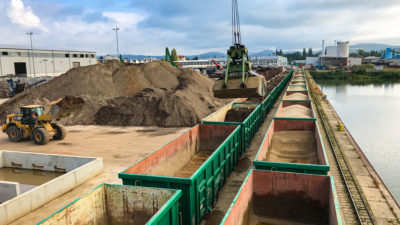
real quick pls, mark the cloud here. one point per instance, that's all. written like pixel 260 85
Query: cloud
pixel 125 19
pixel 193 27
pixel 22 15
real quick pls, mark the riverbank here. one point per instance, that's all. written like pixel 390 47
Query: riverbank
pixel 379 201
pixel 358 75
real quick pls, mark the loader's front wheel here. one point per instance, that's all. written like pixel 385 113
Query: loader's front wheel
pixel 40 136
pixel 14 134
pixel 60 131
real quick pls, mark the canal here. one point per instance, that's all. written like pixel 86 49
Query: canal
pixel 371 112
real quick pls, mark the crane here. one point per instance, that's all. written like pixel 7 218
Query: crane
pixel 239 80
pixel 216 64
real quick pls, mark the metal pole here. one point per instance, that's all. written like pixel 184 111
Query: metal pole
pixel 54 64
pixel 45 65
pixel 1 68
pixel 33 57
pixel 116 34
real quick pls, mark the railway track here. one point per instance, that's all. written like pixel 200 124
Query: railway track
pixel 361 210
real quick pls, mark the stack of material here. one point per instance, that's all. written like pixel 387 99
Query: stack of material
pixel 126 94
pixel 297 96
pixel 295 111
pixel 293 147
pixel 237 114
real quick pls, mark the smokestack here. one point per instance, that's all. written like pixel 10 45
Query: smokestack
pixel 323 48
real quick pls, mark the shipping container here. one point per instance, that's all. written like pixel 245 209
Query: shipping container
pixel 120 204
pixel 293 146
pixel 304 112
pixel 197 162
pixel 248 125
pixel 267 197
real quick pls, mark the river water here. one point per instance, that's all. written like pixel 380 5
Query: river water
pixel 371 112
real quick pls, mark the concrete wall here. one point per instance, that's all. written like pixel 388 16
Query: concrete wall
pixel 79 170
pixel 8 190
pixel 46 62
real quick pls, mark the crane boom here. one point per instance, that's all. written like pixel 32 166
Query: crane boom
pixel 238 81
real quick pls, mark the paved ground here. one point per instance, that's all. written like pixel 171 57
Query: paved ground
pixel 119 147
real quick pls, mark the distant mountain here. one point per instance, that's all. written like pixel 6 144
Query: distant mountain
pixel 206 55
pixel 262 53
pixel 371 47
pixel 140 56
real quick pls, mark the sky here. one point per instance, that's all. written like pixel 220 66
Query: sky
pixel 193 26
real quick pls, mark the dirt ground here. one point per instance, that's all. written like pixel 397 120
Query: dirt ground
pixel 119 147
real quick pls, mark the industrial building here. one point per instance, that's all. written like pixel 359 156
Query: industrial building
pixel 337 55
pixel 25 62
pixel 264 61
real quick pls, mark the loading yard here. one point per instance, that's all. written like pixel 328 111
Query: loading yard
pixel 129 145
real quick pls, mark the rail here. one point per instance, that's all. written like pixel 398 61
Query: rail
pixel 355 195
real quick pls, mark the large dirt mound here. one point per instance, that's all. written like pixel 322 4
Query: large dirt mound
pixel 115 93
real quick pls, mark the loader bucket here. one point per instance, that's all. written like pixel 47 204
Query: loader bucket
pixel 255 87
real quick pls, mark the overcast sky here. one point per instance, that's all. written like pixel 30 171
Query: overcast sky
pixel 196 26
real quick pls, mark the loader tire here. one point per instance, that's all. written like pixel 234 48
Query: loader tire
pixel 40 136
pixel 14 134
pixel 60 131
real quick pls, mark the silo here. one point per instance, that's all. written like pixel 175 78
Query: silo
pixel 343 48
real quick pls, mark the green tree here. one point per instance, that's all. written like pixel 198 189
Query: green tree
pixel 310 53
pixel 196 58
pixel 304 52
pixel 174 55
pixel 280 52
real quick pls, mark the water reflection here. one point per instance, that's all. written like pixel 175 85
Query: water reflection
pixel 371 111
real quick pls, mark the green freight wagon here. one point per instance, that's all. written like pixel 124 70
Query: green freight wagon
pixel 297 88
pixel 248 127
pixel 293 146
pixel 284 198
pixel 120 204
pixel 197 162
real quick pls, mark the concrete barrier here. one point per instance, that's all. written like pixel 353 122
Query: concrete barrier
pixel 8 190
pixel 77 171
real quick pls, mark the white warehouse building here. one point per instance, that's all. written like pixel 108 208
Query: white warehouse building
pixel 21 61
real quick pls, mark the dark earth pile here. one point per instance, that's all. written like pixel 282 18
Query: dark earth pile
pixel 237 114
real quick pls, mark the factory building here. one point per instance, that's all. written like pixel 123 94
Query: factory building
pixel 24 62
pixel 264 61
pixel 337 55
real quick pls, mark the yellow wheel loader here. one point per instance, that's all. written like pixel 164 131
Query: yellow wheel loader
pixel 31 122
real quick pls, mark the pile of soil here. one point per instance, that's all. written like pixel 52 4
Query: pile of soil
pixel 297 96
pixel 293 147
pixel 116 93
pixel 295 111
pixel 237 114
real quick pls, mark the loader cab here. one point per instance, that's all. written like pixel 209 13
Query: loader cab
pixel 31 113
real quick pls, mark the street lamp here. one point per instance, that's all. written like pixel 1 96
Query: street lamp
pixel 33 59
pixel 116 29
pixel 45 65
